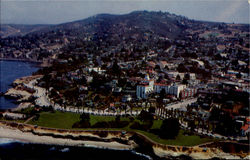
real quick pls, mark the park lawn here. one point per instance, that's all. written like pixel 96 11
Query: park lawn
pixel 157 124
pixel 65 120
pixel 57 120
pixel 181 139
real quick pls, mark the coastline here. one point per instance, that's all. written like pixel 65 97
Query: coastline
pixel 21 60
pixel 107 139
pixel 38 64
pixel 6 132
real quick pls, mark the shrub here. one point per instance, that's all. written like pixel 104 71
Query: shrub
pixel 81 124
pixel 131 119
pixel 145 116
pixel 111 124
pixel 169 128
pixel 85 117
pixel 102 124
pixel 144 127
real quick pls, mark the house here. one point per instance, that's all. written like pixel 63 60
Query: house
pixel 246 128
pixel 126 98
pixel 89 78
pixel 117 89
pixel 200 63
pixel 151 64
pixel 173 74
pixel 192 76
pixel 162 64
pixel 95 69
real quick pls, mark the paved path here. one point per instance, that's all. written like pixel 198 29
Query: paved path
pixel 29 119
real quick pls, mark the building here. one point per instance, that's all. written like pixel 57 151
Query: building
pixel 145 87
pixel 176 89
pixel 173 74
pixel 162 64
pixel 126 98
pixel 188 92
pixel 148 86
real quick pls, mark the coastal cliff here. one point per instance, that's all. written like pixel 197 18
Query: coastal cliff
pixel 115 140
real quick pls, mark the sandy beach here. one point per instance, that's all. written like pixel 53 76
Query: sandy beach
pixel 6 132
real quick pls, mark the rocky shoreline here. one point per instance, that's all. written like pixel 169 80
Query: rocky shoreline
pixel 22 91
pixel 111 140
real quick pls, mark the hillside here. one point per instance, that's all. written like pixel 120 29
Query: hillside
pixel 138 32
pixel 8 30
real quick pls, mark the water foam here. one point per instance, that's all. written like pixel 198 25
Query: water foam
pixel 7 141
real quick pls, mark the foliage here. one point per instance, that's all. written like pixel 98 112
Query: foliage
pixel 169 128
pixel 85 117
pixel 151 110
pixel 111 124
pixel 81 124
pixel 145 116
pixel 145 126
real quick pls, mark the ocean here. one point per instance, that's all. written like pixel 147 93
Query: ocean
pixel 17 150
pixel 9 71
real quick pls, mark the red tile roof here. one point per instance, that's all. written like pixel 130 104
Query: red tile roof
pixel 245 127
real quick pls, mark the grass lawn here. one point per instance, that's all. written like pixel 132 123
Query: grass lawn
pixel 65 120
pixel 156 124
pixel 181 139
pixel 57 120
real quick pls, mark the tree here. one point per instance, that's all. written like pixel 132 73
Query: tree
pixel 157 67
pixel 238 75
pixel 169 128
pixel 178 78
pixel 118 118
pixel 116 69
pixel 145 116
pixel 84 117
pixel 151 110
pixel 181 68
pixel 162 93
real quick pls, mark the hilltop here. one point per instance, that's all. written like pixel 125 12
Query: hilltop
pixel 141 29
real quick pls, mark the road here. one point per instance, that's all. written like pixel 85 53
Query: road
pixel 181 104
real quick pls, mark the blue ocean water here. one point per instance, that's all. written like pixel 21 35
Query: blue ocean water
pixel 16 150
pixel 9 71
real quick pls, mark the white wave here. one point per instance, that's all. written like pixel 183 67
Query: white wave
pixel 107 148
pixel 52 148
pixel 142 155
pixel 7 141
pixel 64 150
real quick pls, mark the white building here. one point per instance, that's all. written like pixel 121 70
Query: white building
pixel 169 89
pixel 192 76
pixel 145 88
pixel 148 86
pixel 126 98
pixel 173 74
